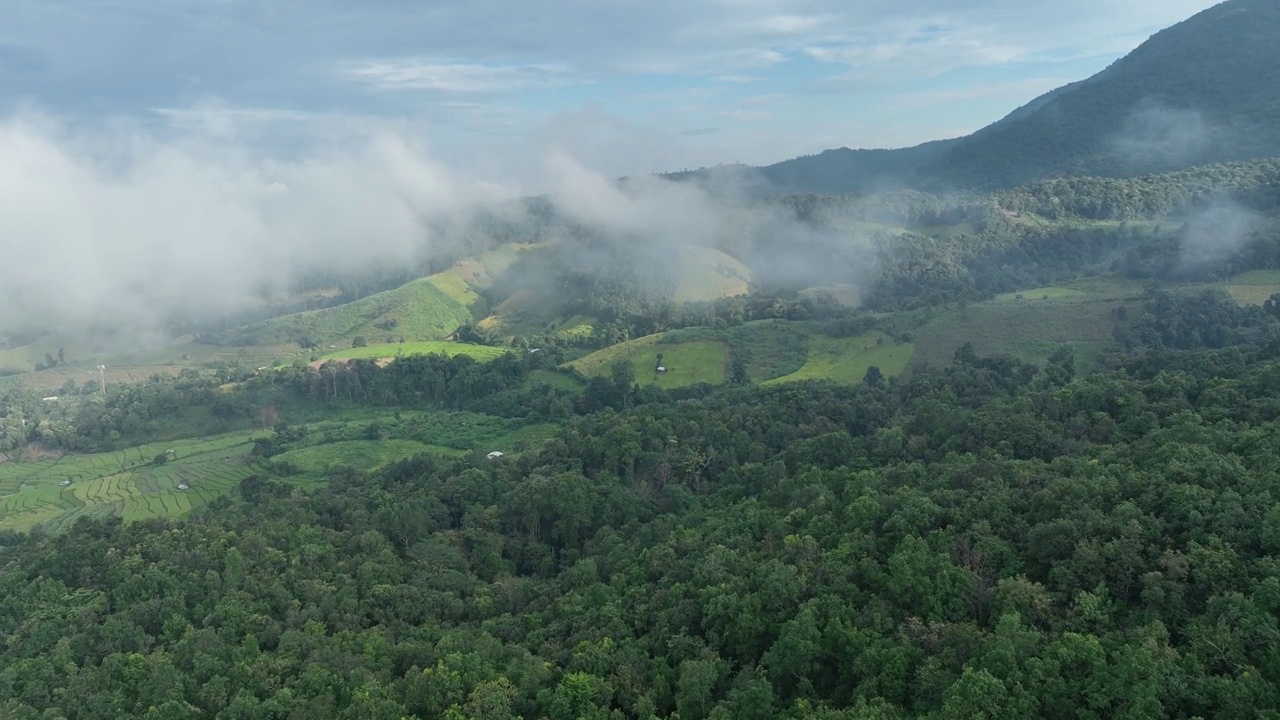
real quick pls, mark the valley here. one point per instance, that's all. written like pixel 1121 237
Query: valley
pixel 985 428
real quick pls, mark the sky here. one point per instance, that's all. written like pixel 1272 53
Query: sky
pixel 625 86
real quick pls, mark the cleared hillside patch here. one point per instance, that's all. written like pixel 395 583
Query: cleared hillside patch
pixel 707 274
pixel 1029 331
pixel 1254 287
pixel 1043 293
pixel 415 311
pixel 846 360
pixel 319 460
pixel 438 347
pixel 687 363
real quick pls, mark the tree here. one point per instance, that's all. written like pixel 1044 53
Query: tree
pixel 738 369
pixel 977 695
pixel 623 375
pixel 873 376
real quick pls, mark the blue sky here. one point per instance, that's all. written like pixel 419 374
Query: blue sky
pixel 626 86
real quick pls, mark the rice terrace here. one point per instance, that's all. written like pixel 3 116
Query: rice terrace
pixel 131 483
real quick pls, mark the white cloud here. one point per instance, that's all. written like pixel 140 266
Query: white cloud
pixel 121 222
pixel 402 58
pixel 414 74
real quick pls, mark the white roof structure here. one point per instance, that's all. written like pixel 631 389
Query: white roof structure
pixel 494 455
pixel 183 486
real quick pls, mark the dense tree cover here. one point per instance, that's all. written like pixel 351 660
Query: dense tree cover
pixel 987 539
pixel 1148 196
pixel 911 249
pixel 195 403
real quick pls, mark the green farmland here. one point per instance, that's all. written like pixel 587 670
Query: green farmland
pixel 376 352
pixel 126 483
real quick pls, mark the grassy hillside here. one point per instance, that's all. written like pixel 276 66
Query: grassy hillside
pixel 463 281
pixel 532 306
pixel 1253 288
pixel 318 460
pixel 772 350
pixel 435 347
pixel 418 310
pixel 688 363
pixel 708 274
pixel 1029 330
pixel 846 360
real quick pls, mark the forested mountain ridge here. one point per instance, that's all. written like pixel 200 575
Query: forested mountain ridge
pixel 1203 91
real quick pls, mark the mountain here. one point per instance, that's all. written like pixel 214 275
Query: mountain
pixel 1203 91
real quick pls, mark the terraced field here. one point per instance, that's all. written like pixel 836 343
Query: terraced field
pixel 125 483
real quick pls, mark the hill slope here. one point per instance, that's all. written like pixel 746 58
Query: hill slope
pixel 418 310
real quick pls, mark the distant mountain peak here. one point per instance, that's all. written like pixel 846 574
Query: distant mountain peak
pixel 1205 90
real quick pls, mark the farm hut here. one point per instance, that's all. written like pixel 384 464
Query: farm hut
pixel 182 486
pixel 494 455
pixel 65 483
pixel 662 369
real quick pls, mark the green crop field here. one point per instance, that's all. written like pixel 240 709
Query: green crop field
pixel 125 483
pixel 846 360
pixel 688 363
pixel 437 347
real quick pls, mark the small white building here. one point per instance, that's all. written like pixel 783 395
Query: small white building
pixel 662 369
pixel 65 483
pixel 494 455
pixel 182 486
